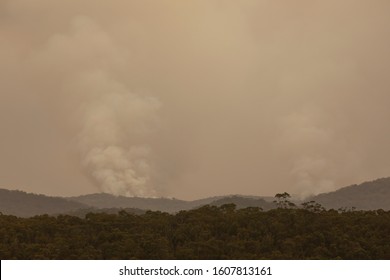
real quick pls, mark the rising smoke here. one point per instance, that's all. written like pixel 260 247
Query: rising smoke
pixel 113 121
pixel 193 98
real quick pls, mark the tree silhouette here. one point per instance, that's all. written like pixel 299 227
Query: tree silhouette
pixel 282 200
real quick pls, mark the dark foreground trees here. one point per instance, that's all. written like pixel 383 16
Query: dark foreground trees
pixel 206 233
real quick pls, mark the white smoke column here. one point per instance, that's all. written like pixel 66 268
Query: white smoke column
pixel 112 122
pixel 308 174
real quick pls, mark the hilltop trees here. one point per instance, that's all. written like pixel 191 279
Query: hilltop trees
pixel 282 200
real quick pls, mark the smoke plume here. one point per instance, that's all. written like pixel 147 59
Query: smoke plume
pixel 193 98
pixel 113 121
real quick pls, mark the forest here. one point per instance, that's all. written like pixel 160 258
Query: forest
pixel 209 232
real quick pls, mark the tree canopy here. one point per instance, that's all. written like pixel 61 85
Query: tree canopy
pixel 210 232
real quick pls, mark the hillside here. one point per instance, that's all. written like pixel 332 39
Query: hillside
pixel 104 200
pixel 366 196
pixel 24 204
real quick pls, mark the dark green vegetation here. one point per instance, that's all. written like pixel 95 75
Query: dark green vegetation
pixel 103 226
pixel 209 232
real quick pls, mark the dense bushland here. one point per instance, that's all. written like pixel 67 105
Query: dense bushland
pixel 209 232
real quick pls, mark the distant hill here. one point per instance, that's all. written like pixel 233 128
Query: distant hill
pixel 104 200
pixel 24 204
pixel 366 196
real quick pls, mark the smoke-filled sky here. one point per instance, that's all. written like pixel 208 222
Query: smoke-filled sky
pixel 191 99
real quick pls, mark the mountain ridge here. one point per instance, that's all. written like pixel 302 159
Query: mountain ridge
pixel 23 204
pixel 370 195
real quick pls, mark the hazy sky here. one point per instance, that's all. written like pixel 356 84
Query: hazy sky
pixel 190 99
